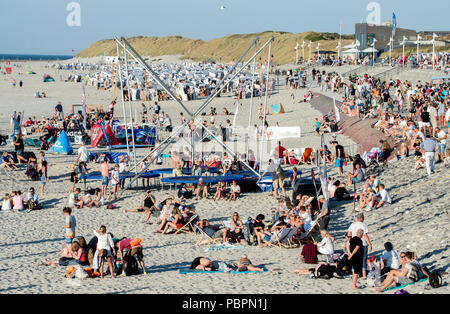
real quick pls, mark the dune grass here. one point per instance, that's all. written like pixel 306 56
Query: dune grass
pixel 224 49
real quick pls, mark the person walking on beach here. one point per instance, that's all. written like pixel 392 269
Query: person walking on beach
pixel 429 147
pixel 104 169
pixel 340 155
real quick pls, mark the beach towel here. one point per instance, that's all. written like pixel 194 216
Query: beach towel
pixel 407 284
pixel 187 270
pixel 224 246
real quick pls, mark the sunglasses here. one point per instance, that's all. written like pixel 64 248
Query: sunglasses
pixel 402 256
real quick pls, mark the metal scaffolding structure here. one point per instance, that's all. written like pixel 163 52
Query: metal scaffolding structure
pixel 128 49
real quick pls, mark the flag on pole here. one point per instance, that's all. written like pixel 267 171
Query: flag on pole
pixel 394 24
pixel 83 101
pixel 336 111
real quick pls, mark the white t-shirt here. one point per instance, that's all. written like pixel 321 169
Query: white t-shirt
pixel 105 241
pixel 442 134
pixel 83 153
pixel 6 205
pixel 359 225
pixel 306 220
pixel 385 197
pixel 391 259
pixel 235 189
pixel 325 246
pixel 115 174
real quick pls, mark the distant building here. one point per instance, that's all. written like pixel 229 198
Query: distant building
pixel 365 33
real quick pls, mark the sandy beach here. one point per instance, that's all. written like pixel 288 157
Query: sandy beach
pixel 417 220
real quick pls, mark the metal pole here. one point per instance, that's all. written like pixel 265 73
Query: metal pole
pixel 251 105
pixel 123 100
pixel 153 159
pixel 231 71
pixel 131 113
pixel 232 78
pixel 141 61
pixel 265 105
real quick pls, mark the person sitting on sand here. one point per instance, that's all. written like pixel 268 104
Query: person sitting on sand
pixel 98 201
pixel 379 199
pixel 244 264
pixel 17 201
pixel 148 207
pixel 406 275
pixel 8 161
pixel 235 191
pixel 326 246
pixel 174 221
pixel 235 230
pixel 213 231
pixel 66 257
pixel 183 193
pixel 202 190
pixel 389 260
pixel 220 191
pixel 309 252
pixel 356 176
pixel 78 251
pixel 32 200
pixel 75 200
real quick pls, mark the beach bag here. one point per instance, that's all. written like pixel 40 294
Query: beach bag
pixel 132 265
pixel 401 291
pixel 435 279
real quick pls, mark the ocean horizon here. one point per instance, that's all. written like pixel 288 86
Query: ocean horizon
pixel 32 57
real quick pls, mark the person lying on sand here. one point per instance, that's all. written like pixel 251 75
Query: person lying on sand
pixel 202 263
pixel 244 264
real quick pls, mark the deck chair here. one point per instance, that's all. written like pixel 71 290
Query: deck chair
pixel 289 242
pixel 204 238
pixel 188 226
pixel 305 234
pixel 279 237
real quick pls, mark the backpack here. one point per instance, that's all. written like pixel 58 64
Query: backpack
pixel 435 279
pixel 132 266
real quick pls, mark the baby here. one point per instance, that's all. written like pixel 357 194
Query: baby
pixel 244 264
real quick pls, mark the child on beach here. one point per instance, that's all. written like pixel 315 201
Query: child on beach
pixel 73 177
pixel 7 202
pixel 18 201
pixel 42 170
pixel 115 181
pixel 104 169
pixel 69 226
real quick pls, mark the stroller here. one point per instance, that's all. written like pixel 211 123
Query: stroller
pixel 373 159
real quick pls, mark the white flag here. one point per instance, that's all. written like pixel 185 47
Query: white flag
pixel 336 111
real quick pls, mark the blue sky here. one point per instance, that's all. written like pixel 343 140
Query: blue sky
pixel 39 26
